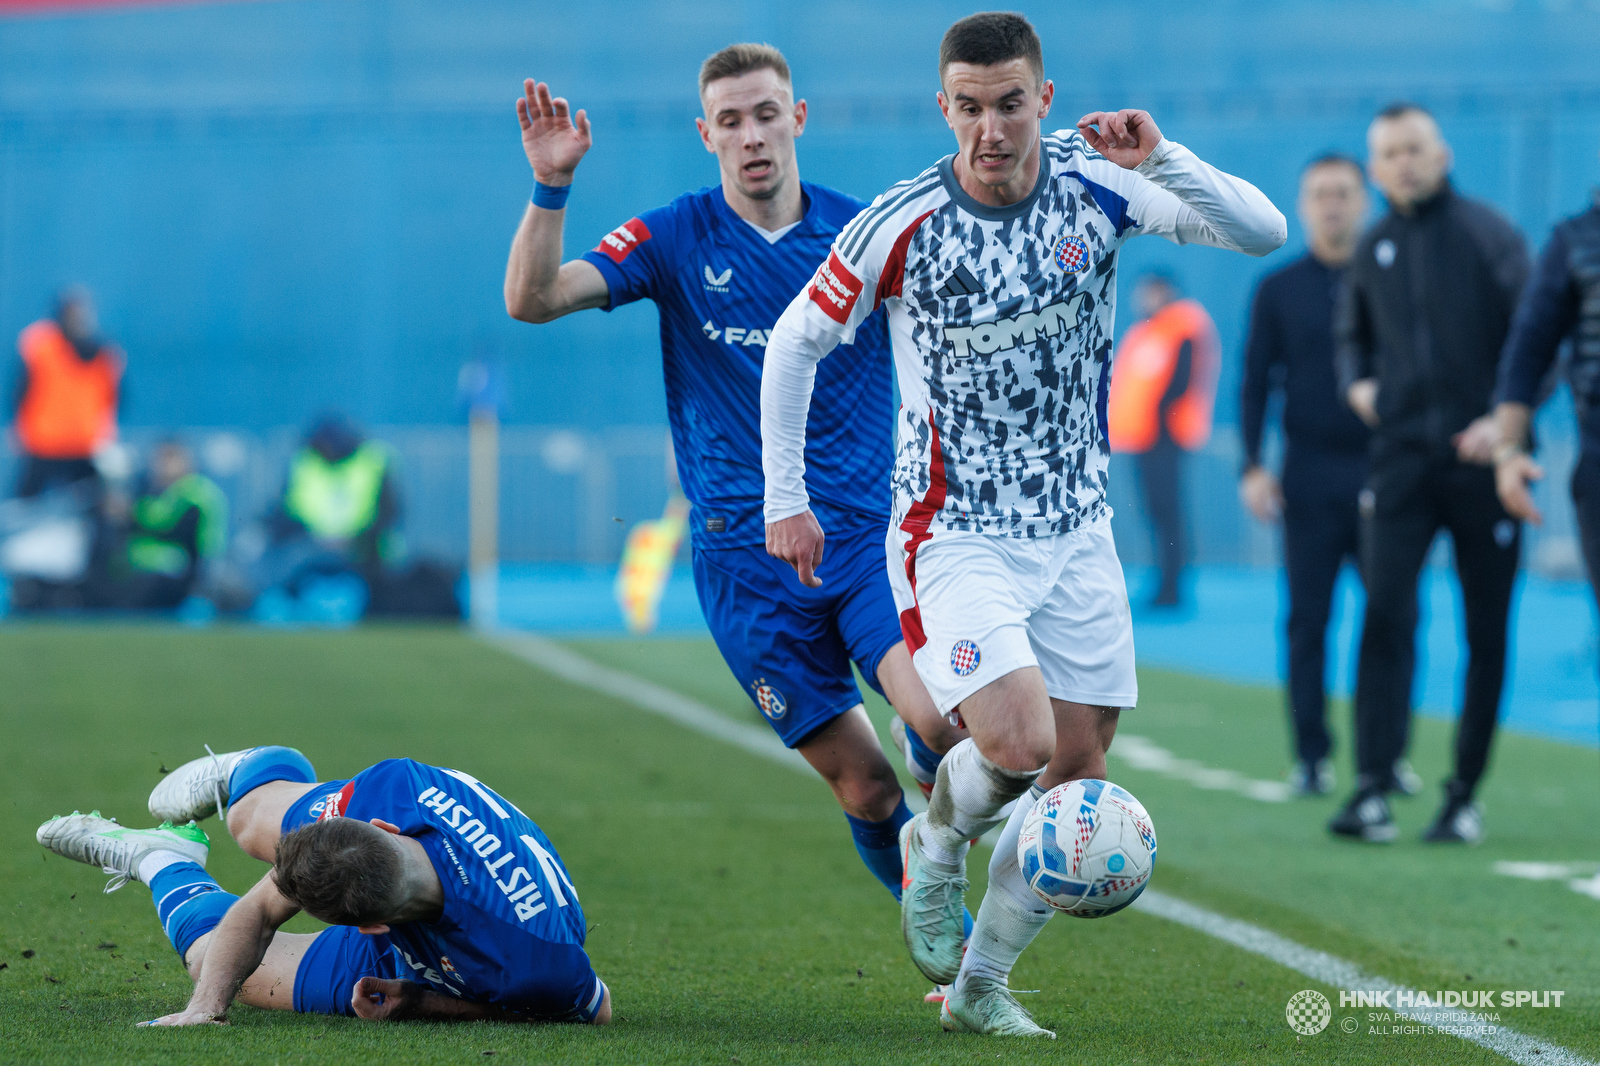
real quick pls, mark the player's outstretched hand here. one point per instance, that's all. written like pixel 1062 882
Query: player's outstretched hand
pixel 797 540
pixel 1125 137
pixel 380 1000
pixel 553 142
pixel 1511 478
pixel 188 1017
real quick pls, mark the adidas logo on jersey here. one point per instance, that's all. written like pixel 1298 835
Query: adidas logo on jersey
pixel 736 335
pixel 986 338
pixel 717 282
pixel 959 283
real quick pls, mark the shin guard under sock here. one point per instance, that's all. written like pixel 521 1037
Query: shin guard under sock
pixel 189 903
pixel 1011 915
pixel 879 845
pixel 968 798
pixel 259 766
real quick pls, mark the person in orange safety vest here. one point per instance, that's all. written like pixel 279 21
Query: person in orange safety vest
pixel 1163 389
pixel 66 397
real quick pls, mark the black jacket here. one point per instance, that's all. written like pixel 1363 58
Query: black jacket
pixel 1562 300
pixel 1291 345
pixel 1426 305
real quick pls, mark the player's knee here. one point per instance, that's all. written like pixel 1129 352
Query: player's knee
pixel 253 833
pixel 1027 750
pixel 870 793
pixel 940 736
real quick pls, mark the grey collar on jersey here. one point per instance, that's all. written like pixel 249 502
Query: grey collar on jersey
pixel 947 174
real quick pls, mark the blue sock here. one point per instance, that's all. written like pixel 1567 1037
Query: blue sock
pixel 925 757
pixel 879 845
pixel 263 765
pixel 189 903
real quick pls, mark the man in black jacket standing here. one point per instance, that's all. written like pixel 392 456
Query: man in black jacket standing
pixel 1426 306
pixel 1325 454
pixel 1562 301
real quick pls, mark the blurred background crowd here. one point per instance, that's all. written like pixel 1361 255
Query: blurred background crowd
pixel 251 256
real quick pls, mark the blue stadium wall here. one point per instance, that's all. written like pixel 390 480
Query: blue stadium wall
pixel 286 206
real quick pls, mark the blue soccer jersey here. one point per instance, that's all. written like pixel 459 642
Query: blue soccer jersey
pixel 720 286
pixel 512 931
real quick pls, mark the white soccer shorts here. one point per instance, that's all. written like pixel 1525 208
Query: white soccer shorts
pixel 974 607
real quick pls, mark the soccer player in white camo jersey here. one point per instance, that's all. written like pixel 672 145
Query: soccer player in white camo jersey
pixel 998 270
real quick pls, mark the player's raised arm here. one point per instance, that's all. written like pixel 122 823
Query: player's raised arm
pixel 1211 207
pixel 539 287
pixel 238 944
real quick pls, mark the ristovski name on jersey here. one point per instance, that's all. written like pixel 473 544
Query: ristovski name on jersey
pixel 1001 322
pixel 519 887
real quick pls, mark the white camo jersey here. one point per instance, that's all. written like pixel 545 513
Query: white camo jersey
pixel 1001 322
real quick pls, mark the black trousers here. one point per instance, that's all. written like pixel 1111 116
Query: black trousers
pixel 1161 475
pixel 1321 529
pixel 1413 497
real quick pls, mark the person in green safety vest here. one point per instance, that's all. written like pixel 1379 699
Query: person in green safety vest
pixel 163 539
pixel 340 493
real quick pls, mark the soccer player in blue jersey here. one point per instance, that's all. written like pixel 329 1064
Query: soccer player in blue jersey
pixel 721 265
pixel 444 900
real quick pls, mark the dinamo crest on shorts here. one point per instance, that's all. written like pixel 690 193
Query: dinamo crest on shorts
pixel 964 657
pixel 1071 254
pixel 769 699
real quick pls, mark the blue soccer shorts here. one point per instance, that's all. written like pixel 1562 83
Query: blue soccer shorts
pixel 339 957
pixel 791 646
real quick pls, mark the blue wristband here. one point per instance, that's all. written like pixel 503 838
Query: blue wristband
pixel 550 197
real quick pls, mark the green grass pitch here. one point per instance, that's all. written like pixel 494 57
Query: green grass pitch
pixel 728 910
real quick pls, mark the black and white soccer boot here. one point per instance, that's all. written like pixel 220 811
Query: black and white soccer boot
pixel 1366 817
pixel 1459 820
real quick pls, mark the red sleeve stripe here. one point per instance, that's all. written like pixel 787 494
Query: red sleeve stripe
pixel 894 267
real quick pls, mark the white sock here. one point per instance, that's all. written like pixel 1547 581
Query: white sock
pixel 1011 915
pixel 157 861
pixel 967 799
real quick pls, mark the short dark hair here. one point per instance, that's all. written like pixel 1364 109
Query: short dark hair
pixel 989 38
pixel 737 59
pixel 1336 159
pixel 340 870
pixel 1400 109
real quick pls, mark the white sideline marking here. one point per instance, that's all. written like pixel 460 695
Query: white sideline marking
pixel 570 666
pixel 1144 754
pixel 1331 970
pixel 1581 877
pixel 1317 965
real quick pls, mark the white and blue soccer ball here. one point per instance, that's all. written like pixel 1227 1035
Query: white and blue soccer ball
pixel 1087 848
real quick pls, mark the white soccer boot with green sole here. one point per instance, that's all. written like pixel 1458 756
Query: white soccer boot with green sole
pixel 98 841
